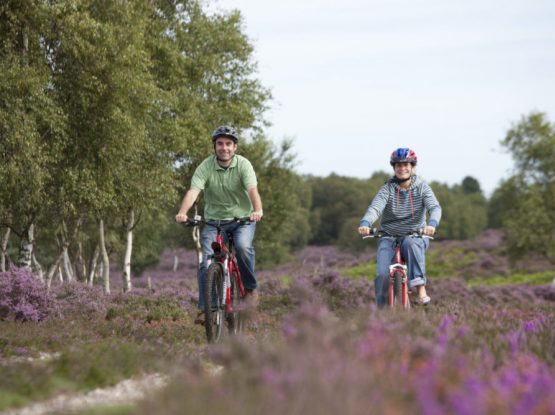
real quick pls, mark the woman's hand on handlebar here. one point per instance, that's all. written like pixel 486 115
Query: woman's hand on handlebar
pixel 429 230
pixel 364 230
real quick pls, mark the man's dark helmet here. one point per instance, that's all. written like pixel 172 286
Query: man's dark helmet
pixel 403 155
pixel 225 131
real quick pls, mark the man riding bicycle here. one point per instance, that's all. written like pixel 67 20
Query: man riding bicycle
pixel 230 191
pixel 401 204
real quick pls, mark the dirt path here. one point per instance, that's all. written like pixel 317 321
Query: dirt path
pixel 125 392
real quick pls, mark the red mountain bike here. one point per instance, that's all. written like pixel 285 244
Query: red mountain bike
pixel 398 292
pixel 223 286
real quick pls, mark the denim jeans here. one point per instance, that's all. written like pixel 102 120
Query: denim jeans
pixel 243 236
pixel 413 251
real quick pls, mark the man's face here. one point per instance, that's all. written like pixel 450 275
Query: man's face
pixel 403 170
pixel 225 148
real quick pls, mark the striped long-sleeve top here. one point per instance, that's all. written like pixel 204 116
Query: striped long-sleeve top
pixel 403 211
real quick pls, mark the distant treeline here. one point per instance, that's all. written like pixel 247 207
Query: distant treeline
pixel 106 108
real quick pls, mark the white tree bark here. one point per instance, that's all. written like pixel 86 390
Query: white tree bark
pixel 38 268
pixel 67 269
pixel 105 259
pixel 93 266
pixel 175 260
pixel 26 248
pixel 196 240
pixel 128 251
pixel 52 270
pixel 4 248
pixel 80 265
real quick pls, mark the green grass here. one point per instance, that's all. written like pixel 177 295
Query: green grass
pixel 447 263
pixel 438 264
pixel 147 309
pixel 366 270
pixel 285 281
pixel 538 278
pixel 93 353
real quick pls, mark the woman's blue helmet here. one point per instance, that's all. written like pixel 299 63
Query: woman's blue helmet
pixel 403 155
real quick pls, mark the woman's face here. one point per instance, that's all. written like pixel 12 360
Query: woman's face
pixel 403 170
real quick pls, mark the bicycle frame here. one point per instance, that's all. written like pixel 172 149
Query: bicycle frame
pixel 224 255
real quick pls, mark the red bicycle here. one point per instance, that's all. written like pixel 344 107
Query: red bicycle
pixel 223 286
pixel 398 292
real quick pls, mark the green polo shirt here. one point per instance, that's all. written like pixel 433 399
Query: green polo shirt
pixel 225 190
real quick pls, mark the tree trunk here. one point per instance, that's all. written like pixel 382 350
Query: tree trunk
pixel 26 248
pixel 38 268
pixel 67 269
pixel 175 260
pixel 128 250
pixel 81 266
pixel 4 248
pixel 52 270
pixel 105 259
pixel 93 265
pixel 196 240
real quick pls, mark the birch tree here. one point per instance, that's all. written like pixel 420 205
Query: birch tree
pixel 29 121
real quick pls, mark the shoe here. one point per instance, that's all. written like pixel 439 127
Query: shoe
pixel 421 300
pixel 201 318
pixel 251 299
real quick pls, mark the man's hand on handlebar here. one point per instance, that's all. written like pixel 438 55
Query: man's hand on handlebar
pixel 181 217
pixel 256 216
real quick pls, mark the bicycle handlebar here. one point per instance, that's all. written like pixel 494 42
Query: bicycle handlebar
pixel 374 233
pixel 197 220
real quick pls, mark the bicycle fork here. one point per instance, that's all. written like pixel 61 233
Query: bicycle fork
pixel 398 268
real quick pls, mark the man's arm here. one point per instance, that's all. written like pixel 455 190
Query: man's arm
pixel 256 214
pixel 187 204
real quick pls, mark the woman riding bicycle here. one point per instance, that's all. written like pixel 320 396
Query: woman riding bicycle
pixel 402 204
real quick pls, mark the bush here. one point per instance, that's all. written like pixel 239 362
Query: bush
pixel 23 297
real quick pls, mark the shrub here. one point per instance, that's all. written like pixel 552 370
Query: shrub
pixel 23 297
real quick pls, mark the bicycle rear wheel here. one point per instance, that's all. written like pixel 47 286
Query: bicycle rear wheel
pixel 213 300
pixel 234 319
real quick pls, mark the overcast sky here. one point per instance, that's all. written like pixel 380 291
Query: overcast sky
pixel 352 80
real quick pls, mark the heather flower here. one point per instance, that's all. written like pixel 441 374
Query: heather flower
pixel 23 297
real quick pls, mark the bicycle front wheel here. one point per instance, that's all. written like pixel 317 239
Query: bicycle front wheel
pixel 397 289
pixel 213 300
pixel 234 319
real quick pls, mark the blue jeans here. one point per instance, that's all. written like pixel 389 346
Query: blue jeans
pixel 243 236
pixel 413 251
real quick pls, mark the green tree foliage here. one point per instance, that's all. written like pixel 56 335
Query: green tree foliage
pixel 285 198
pixel 523 205
pixel 470 185
pixel 29 119
pixel 338 202
pixel 107 106
pixel 502 200
pixel 464 209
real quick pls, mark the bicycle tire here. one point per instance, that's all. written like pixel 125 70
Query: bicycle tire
pixel 398 289
pixel 213 295
pixel 235 319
